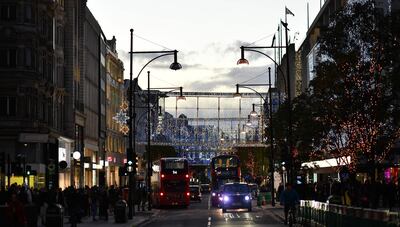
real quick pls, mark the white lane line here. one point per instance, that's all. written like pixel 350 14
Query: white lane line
pixel 209 202
pixel 209 222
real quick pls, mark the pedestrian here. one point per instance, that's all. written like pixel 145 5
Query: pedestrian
pixel 15 213
pixel 289 198
pixel 103 204
pixel 280 190
pixel 93 202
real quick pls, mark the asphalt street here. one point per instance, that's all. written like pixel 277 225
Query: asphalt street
pixel 201 214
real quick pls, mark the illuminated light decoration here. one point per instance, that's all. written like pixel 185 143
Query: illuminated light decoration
pixel 124 129
pixel 121 117
pixel 124 106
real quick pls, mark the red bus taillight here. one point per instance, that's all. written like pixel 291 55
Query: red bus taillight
pixel 187 175
pixel 162 175
pixel 161 193
pixel 188 193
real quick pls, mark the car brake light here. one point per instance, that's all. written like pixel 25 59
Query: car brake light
pixel 187 175
pixel 162 175
pixel 161 193
pixel 188 193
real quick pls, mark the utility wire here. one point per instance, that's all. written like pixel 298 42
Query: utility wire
pixel 173 85
pixel 267 36
pixel 140 37
pixel 259 75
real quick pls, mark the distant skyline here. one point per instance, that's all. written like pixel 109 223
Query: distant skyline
pixel 206 33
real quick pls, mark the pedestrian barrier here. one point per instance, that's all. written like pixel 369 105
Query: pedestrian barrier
pixel 313 213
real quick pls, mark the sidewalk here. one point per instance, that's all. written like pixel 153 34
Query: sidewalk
pixel 140 218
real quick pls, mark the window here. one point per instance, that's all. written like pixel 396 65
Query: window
pixel 8 58
pixel 28 57
pixel 8 106
pixel 8 12
pixel 28 13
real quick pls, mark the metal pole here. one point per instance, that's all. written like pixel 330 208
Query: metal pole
pixel 290 161
pixel 271 140
pixel 149 169
pixel 129 151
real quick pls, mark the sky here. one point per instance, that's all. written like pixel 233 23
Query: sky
pixel 207 34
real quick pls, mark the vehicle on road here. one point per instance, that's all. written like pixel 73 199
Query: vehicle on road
pixel 224 169
pixel 235 196
pixel 205 188
pixel 170 182
pixel 195 193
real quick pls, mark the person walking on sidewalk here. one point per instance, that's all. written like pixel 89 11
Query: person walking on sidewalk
pixel 289 198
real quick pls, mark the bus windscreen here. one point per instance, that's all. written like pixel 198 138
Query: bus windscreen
pixel 225 162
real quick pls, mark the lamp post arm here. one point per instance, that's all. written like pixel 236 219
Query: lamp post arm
pixel 258 93
pixel 266 55
pixel 151 62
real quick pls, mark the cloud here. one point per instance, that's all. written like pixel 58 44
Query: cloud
pixel 230 78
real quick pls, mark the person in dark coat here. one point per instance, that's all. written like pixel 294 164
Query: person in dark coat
pixel 16 216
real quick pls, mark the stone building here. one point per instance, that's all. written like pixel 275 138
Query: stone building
pixel 32 93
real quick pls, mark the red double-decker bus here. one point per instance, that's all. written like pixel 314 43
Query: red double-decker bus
pixel 224 169
pixel 170 182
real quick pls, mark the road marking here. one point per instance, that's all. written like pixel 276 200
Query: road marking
pixel 209 202
pixel 209 222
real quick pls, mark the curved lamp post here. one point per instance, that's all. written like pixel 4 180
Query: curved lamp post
pixel 131 150
pixel 243 60
pixel 254 113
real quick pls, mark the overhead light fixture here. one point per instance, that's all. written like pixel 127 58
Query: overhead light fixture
pixel 175 65
pixel 237 94
pixel 248 123
pixel 253 113
pixel 181 96
pixel 242 60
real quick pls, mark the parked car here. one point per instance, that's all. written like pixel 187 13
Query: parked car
pixel 235 196
pixel 195 193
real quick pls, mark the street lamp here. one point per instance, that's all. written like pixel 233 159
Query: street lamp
pixel 243 60
pixel 248 86
pixel 149 162
pixel 131 149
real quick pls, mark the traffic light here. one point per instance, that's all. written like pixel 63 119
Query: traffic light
pixel 28 170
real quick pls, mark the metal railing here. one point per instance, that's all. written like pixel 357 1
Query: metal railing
pixel 313 213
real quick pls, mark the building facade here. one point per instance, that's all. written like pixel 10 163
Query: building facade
pixel 32 93
pixel 115 140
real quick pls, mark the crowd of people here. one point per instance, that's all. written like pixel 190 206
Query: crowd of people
pixel 367 194
pixel 94 202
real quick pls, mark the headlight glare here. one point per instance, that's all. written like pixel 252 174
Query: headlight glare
pixel 213 194
pixel 226 198
pixel 247 198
